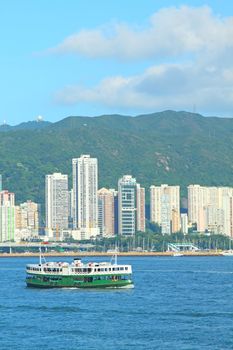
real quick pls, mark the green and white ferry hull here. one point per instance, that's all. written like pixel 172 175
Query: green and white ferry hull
pixel 79 275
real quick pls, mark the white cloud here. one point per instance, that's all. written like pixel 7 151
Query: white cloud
pixel 200 43
pixel 171 31
pixel 160 87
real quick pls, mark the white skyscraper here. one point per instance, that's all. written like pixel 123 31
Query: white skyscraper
pixel 85 200
pixel 165 207
pixel 141 215
pixel 56 204
pixel 7 216
pixel 106 212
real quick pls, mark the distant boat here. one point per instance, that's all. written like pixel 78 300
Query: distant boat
pixel 178 254
pixel 227 252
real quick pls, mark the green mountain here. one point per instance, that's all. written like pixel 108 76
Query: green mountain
pixel 26 125
pixel 167 147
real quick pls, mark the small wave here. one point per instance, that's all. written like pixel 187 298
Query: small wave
pixel 49 308
pixel 10 269
pixel 131 286
pixel 199 314
pixel 187 271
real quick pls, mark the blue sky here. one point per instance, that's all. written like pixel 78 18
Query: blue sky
pixel 76 57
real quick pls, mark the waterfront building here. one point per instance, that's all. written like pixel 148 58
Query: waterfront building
pixel 184 223
pixel 200 197
pixel 165 207
pixel 131 200
pixel 27 220
pixel 106 212
pixel 210 208
pixel 85 201
pixel 27 216
pixel 175 222
pixel 166 213
pixel 227 207
pixel 115 197
pixel 56 204
pixel 141 220
pixel 213 219
pixel 70 208
pixel 7 216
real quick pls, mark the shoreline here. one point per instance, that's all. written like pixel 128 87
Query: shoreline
pixel 96 254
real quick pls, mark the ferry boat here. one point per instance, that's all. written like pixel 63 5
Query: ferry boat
pixel 79 275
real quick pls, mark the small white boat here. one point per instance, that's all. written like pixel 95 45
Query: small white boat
pixel 178 254
pixel 227 252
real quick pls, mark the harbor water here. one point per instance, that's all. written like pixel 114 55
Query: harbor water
pixel 177 303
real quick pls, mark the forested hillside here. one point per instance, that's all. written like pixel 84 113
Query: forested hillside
pixel 167 147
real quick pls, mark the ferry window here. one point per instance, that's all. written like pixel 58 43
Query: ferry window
pixel 101 269
pixel 110 269
pixel 121 268
pixel 98 270
pixel 106 269
pixel 126 268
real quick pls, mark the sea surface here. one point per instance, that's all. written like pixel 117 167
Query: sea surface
pixel 177 303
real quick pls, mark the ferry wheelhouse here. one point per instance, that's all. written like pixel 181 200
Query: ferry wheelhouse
pixel 79 275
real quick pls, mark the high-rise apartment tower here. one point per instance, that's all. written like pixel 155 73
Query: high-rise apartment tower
pixel 85 201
